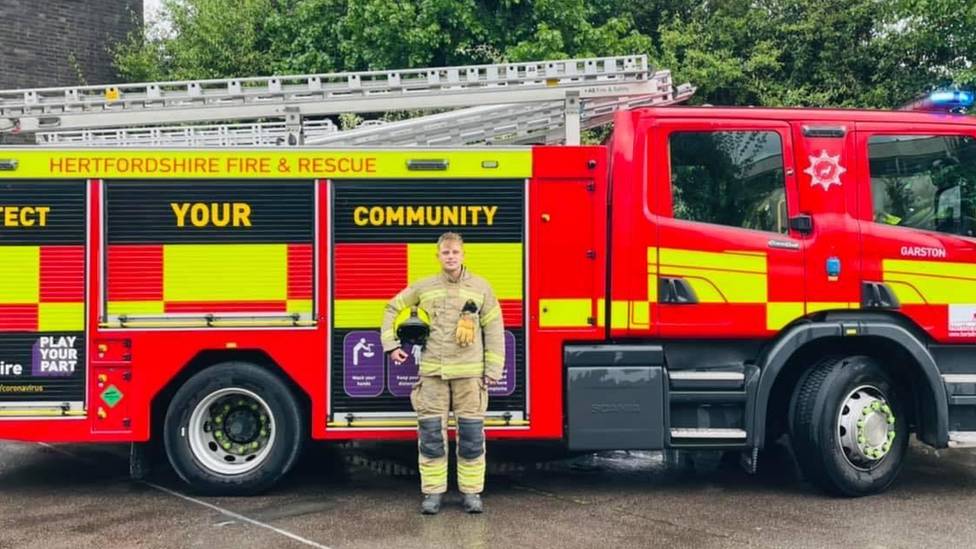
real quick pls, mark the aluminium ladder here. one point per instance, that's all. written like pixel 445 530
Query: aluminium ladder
pixel 507 124
pixel 76 114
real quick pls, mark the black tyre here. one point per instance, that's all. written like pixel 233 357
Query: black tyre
pixel 233 429
pixel 848 426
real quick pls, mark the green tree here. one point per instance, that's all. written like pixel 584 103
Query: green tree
pixel 838 53
pixel 208 39
pixel 221 38
pixel 778 52
pixel 932 44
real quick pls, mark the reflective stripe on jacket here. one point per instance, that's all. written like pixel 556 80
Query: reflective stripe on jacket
pixel 443 299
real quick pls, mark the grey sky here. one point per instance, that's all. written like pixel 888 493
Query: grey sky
pixel 150 7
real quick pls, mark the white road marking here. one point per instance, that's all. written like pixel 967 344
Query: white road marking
pixel 231 514
pixel 240 517
pixel 65 452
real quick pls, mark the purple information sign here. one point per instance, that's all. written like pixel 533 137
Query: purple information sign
pixel 506 385
pixel 362 364
pixel 402 377
pixel 55 356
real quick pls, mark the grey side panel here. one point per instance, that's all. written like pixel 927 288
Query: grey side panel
pixel 614 355
pixel 615 407
pixel 935 431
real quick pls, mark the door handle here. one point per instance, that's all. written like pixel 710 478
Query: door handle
pixel 878 295
pixel 676 290
pixel 802 224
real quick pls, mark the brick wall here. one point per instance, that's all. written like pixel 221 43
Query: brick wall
pixel 39 38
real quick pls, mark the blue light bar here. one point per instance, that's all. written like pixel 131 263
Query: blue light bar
pixel 952 99
pixel 942 101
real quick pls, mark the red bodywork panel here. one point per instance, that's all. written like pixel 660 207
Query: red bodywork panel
pixel 566 232
pixel 140 363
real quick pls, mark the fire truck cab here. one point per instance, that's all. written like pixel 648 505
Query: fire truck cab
pixel 710 279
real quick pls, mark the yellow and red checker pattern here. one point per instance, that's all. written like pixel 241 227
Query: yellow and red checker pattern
pixel 210 278
pixel 43 288
pixel 367 276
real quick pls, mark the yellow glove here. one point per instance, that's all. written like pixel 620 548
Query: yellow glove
pixel 465 331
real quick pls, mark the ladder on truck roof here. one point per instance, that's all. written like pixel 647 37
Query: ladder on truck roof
pixel 76 114
pixel 507 124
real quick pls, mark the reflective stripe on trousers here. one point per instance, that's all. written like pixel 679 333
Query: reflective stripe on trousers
pixel 431 398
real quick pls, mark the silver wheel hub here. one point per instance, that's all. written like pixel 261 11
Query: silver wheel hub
pixel 231 431
pixel 866 427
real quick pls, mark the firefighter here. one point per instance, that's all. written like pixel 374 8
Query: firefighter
pixel 463 354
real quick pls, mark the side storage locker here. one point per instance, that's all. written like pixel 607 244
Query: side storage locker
pixel 614 397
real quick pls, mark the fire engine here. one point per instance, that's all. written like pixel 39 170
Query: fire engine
pixel 708 279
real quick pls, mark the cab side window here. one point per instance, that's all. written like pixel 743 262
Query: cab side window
pixel 924 182
pixel 733 178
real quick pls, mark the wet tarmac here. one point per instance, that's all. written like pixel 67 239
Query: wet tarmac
pixel 78 497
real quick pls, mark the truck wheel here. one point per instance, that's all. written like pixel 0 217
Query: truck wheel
pixel 233 429
pixel 848 426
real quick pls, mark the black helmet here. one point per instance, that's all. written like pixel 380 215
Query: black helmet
pixel 412 326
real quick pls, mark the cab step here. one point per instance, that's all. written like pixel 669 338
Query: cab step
pixel 689 380
pixel 962 439
pixel 961 389
pixel 712 434
pixel 709 407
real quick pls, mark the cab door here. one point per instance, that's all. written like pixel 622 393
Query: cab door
pixel 918 217
pixel 729 263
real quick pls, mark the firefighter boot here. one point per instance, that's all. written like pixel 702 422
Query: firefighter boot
pixel 472 503
pixel 431 504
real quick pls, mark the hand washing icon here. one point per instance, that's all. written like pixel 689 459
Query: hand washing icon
pixel 362 347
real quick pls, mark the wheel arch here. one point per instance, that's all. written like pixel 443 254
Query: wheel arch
pixel 888 338
pixel 212 357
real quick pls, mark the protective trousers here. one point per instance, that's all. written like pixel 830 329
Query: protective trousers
pixel 432 398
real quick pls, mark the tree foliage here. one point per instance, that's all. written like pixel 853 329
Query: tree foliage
pixel 843 53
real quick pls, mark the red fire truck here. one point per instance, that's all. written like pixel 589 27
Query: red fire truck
pixel 710 279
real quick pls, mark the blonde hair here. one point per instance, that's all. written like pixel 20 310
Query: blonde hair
pixel 449 236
